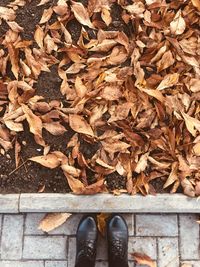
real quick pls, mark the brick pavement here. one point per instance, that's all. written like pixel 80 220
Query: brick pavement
pixel 171 240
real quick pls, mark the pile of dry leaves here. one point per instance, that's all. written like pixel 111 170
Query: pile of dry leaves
pixel 130 85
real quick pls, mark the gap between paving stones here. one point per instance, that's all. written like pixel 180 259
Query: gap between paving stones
pixel 161 203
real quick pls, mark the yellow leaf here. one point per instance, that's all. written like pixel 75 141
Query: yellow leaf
pixel 52 221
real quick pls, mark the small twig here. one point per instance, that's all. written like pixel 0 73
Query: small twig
pixel 17 167
pixel 26 170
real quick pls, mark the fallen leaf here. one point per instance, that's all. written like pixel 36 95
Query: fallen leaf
pixel 168 81
pixel 15 26
pixel 43 2
pixel 81 14
pixel 54 128
pixel 49 161
pixel 142 163
pixel 173 177
pixel 188 188
pixel 7 13
pixel 178 25
pixel 196 149
pixel 35 124
pixel 143 259
pixel 166 61
pixel 46 15
pixel 80 125
pixel 102 222
pixel 192 124
pixel 52 221
pixel 196 3
pixel 39 36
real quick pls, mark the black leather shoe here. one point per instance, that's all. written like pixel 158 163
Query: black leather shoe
pixel 86 240
pixel 117 234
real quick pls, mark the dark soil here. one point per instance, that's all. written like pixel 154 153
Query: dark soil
pixel 32 177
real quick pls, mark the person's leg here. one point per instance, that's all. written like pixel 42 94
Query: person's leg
pixel 117 234
pixel 86 239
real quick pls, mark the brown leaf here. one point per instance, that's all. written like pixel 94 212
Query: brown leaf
pixel 188 188
pixel 101 222
pixel 14 26
pixel 178 25
pixel 13 54
pixel 54 128
pixel 46 15
pixel 166 61
pixel 43 2
pixel 50 161
pixel 112 92
pixel 35 124
pixel 7 13
pixel 142 163
pixel 196 3
pixel 143 259
pixel 52 221
pixel 196 149
pixel 192 124
pixel 105 15
pixel 81 89
pixel 173 177
pixel 14 126
pixel 168 81
pixel 80 125
pixel 81 14
pixel 39 36
pixel 17 151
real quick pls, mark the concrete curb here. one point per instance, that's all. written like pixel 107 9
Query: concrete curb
pixel 161 203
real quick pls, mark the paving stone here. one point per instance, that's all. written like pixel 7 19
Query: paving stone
pixel 190 263
pixel 42 247
pixel 156 225
pixel 9 203
pixel 102 252
pixel 21 264
pixel 168 252
pixel 189 237
pixel 146 245
pixel 71 251
pixel 56 264
pixel 68 228
pixel 12 234
pixel 129 218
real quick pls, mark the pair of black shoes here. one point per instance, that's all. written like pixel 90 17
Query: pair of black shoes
pixel 117 235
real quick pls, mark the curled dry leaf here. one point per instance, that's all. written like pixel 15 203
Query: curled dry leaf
pixel 192 124
pixel 142 163
pixel 143 259
pixel 79 125
pixel 50 161
pixel 168 81
pixel 7 13
pixel 188 188
pixel 101 222
pixel 54 128
pixel 39 36
pixel 196 3
pixel 81 14
pixel 35 124
pixel 46 15
pixel 52 221
pixel 178 25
